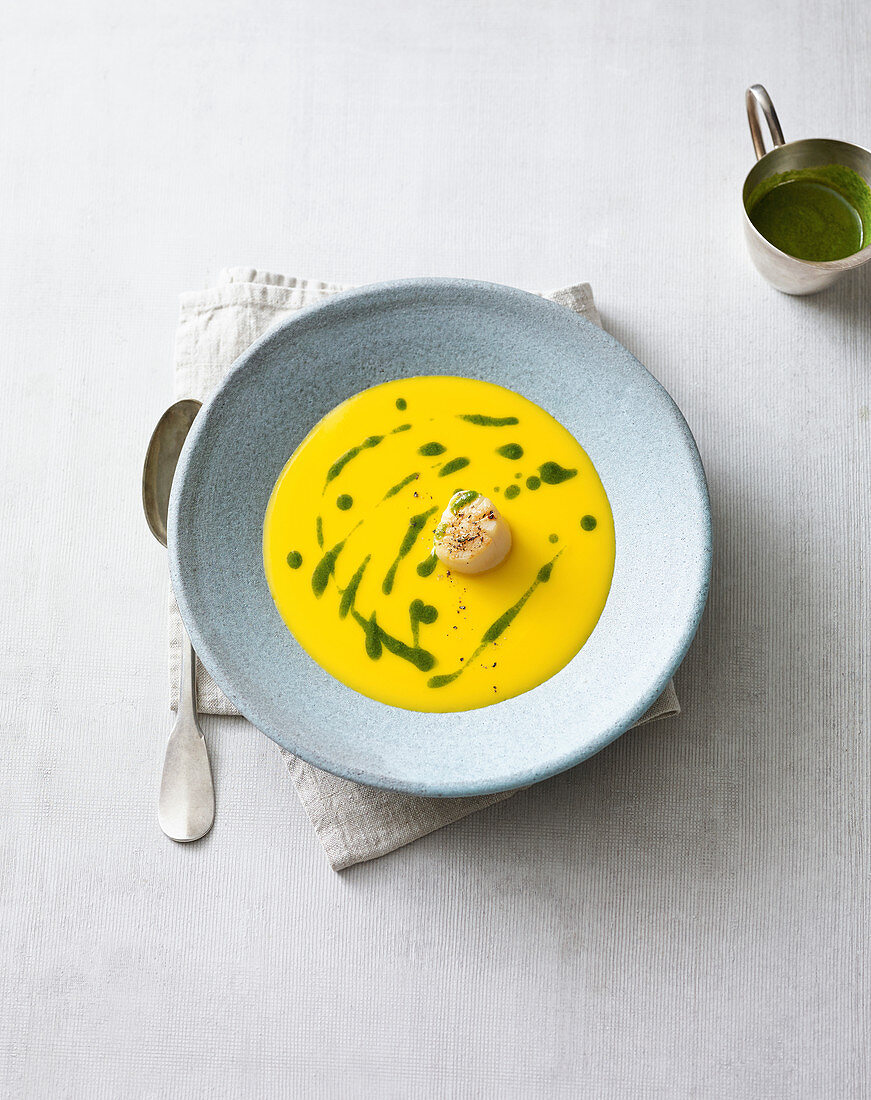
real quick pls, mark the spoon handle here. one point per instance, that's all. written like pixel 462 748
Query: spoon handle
pixel 186 808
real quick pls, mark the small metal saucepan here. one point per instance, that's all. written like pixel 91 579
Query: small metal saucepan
pixel 785 272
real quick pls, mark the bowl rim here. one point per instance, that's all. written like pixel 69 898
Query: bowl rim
pixel 512 780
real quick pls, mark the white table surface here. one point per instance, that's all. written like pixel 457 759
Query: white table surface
pixel 687 914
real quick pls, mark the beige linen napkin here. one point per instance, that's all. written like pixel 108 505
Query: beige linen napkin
pixel 353 822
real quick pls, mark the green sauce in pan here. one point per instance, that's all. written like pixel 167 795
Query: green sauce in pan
pixel 816 214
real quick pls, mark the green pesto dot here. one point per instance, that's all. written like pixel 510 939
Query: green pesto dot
pixel 533 482
pixel 344 502
pixel 401 404
pixel 518 475
pixel 512 491
pixel 553 538
pixel 510 450
pixel 588 523
pixel 294 559
pixel 554 474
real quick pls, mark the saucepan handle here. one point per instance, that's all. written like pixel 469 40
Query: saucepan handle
pixel 757 99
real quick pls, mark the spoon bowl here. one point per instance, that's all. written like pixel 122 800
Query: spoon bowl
pixel 161 459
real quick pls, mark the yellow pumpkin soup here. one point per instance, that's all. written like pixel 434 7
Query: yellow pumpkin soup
pixel 439 544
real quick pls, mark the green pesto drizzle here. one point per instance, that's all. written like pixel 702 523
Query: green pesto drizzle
pixel 377 636
pixel 452 466
pixel 444 679
pixel 588 523
pixel 512 491
pixel 350 593
pixel 461 499
pixel 422 659
pixel 554 474
pixel 497 628
pixel 373 635
pixel 415 526
pixel 400 485
pixel 344 502
pixel 426 567
pixel 430 449
pixel 420 612
pixel 489 421
pixel 401 404
pixel 294 559
pixel 401 428
pixel 319 529
pixel 510 450
pixel 553 538
pixel 342 462
pixel 533 483
pixel 325 569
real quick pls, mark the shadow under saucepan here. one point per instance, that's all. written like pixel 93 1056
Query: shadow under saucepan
pixel 845 306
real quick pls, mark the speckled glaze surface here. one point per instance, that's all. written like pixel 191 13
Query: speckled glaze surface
pixel 624 419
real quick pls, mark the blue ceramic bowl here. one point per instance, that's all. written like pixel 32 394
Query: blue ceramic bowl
pixel 627 423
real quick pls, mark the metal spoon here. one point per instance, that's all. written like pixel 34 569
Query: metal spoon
pixel 186 808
